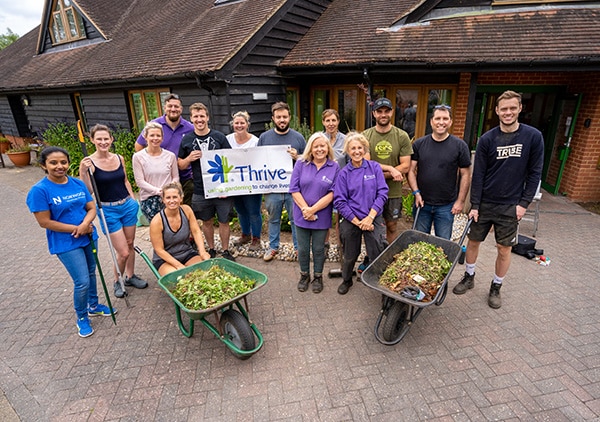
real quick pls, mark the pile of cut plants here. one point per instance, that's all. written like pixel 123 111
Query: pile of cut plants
pixel 421 265
pixel 203 289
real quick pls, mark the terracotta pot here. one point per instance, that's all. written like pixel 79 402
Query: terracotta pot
pixel 4 146
pixel 20 159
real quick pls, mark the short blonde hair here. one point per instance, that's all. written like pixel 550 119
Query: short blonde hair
pixel 355 136
pixel 244 114
pixel 307 155
pixel 152 125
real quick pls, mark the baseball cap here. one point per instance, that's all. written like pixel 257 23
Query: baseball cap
pixel 382 102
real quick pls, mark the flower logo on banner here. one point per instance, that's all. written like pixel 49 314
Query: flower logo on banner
pixel 220 169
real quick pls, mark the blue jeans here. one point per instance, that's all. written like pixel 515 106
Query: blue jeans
pixel 274 203
pixel 81 266
pixel 439 215
pixel 318 249
pixel 248 211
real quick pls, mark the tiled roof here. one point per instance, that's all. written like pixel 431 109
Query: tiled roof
pixel 352 32
pixel 146 39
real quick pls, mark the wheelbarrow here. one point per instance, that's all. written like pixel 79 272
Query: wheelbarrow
pixel 398 313
pixel 233 327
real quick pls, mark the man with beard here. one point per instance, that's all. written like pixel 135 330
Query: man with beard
pixel 281 134
pixel 506 174
pixel 389 146
pixel 192 145
pixel 174 128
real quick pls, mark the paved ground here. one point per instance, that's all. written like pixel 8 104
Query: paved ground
pixel 537 358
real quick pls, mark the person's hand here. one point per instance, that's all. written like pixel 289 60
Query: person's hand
pixel 366 224
pixel 204 255
pixel 419 201
pixel 195 155
pixel 474 214
pixel 520 212
pixel 87 163
pixel 458 207
pixel 396 174
pixel 293 153
pixel 81 230
pixel 308 214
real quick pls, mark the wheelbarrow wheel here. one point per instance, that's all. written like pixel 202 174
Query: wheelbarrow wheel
pixel 395 324
pixel 237 329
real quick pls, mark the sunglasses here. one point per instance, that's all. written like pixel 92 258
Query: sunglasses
pixel 442 107
pixel 172 97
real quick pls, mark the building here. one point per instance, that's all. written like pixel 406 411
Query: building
pixel 116 60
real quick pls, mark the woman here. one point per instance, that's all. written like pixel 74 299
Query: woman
pixel 246 206
pixel 170 233
pixel 311 187
pixel 118 202
pixel 153 167
pixel 64 207
pixel 359 196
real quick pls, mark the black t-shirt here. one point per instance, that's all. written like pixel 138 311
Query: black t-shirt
pixel 438 165
pixel 193 142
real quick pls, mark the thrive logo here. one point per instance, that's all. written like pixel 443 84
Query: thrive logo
pixel 220 169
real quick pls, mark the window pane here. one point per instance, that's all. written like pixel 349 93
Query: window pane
pixel 58 28
pixel 71 21
pixel 291 97
pixel 347 100
pixel 138 110
pixel 436 97
pixel 406 110
pixel 80 25
pixel 67 3
pixel 151 105
pixel 320 103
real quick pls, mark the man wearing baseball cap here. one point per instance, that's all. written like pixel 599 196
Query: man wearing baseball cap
pixel 389 146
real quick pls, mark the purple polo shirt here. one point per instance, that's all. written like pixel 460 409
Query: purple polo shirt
pixel 172 140
pixel 357 190
pixel 313 184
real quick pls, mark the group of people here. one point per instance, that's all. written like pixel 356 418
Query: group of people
pixel 357 177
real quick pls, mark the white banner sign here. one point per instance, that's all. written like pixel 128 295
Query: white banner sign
pixel 231 172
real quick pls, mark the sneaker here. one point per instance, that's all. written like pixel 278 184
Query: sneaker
pixel 494 299
pixel 246 238
pixel 84 328
pixel 467 282
pixel 303 283
pixel 227 255
pixel 212 253
pixel 363 266
pixel 119 290
pixel 270 254
pixel 100 310
pixel 317 284
pixel 344 287
pixel 255 244
pixel 136 282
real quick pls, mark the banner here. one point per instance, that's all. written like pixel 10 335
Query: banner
pixel 243 171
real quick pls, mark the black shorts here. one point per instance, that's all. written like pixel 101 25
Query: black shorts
pixel 205 209
pixel 504 220
pixel 183 258
pixel 392 210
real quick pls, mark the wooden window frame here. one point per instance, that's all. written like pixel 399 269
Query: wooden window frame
pixel 160 93
pixel 62 13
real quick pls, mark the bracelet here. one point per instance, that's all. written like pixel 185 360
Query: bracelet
pixel 416 191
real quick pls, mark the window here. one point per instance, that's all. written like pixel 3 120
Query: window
pixel 146 105
pixel 343 99
pixel 66 25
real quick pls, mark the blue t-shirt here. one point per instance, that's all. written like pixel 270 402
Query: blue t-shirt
pixel 66 203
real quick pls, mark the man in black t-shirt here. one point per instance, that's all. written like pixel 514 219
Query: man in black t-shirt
pixel 436 163
pixel 190 151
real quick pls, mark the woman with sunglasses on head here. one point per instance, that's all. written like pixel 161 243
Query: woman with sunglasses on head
pixel 64 207
pixel 118 203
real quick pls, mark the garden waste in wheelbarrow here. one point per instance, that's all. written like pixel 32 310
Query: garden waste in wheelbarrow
pixel 233 327
pixel 400 311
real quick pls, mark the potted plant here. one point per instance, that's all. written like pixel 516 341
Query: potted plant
pixel 20 155
pixel 4 145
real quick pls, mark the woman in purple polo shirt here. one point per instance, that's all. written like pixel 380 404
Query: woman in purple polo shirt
pixel 360 194
pixel 311 187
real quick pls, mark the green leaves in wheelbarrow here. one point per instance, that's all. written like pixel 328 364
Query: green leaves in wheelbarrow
pixel 203 289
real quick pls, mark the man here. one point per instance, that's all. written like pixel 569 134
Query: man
pixel 203 139
pixel 390 147
pixel 506 173
pixel 281 134
pixel 174 128
pixel 437 160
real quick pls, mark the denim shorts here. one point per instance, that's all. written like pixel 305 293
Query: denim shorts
pixel 119 216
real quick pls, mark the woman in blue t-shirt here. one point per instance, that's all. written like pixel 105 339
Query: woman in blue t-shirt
pixel 64 207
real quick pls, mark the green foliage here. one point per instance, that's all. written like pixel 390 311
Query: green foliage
pixel 304 129
pixel 8 38
pixel 65 135
pixel 407 204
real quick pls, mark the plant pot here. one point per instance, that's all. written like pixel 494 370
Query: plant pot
pixel 20 159
pixel 4 146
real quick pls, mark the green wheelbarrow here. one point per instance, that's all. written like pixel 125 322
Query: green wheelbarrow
pixel 233 326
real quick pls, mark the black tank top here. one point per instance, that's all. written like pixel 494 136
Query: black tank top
pixel 111 184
